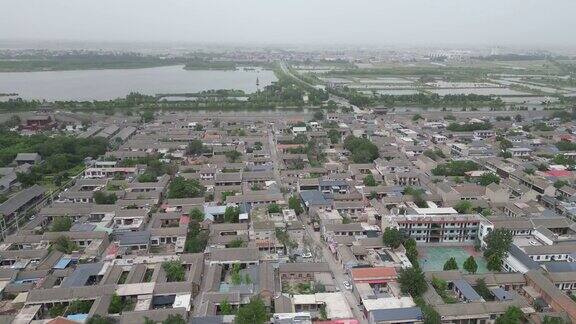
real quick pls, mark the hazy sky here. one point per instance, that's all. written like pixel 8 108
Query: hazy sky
pixel 406 22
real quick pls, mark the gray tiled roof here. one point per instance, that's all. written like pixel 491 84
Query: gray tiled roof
pixel 20 199
pixel 396 314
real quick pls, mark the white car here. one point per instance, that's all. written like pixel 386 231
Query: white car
pixel 307 255
pixel 347 285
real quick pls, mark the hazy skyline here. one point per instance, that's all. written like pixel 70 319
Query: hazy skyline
pixel 377 22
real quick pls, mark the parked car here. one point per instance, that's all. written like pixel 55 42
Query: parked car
pixel 347 285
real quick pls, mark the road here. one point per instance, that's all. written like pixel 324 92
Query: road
pixel 339 100
pixel 318 245
pixel 337 271
pixel 274 155
pixel 197 302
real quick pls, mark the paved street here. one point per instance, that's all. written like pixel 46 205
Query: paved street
pixel 197 303
pixel 318 245
pixel 337 271
pixel 274 154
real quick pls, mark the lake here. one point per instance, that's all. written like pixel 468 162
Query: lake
pixel 111 84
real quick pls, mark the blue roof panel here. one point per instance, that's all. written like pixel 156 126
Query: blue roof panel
pixel 62 264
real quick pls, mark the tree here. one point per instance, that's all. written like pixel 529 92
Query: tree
pixel 412 281
pixel 79 307
pixel 512 315
pixel 174 271
pixel 226 308
pixel 409 243
pixel 318 115
pixel 494 263
pixel 146 177
pixel 417 196
pixel 463 207
pixel 430 315
pixel 60 177
pixel 116 304
pixel 233 156
pixel 28 179
pixel 334 136
pixel 226 194
pixel 553 320
pixel 65 245
pixel 369 181
pixel 451 264
pixel 102 198
pixel 323 314
pixel 454 168
pixel 236 243
pixel 392 237
pixel 417 117
pixel 560 183
pixel 470 265
pixel 195 147
pixel 182 188
pixel 435 154
pixel 13 121
pixel 235 276
pixel 505 144
pixel 488 178
pixel 469 127
pixel 147 116
pixel 196 215
pixel 232 214
pixel 274 209
pixel 196 238
pixel 482 289
pixel 497 244
pixel 565 160
pixel 284 238
pixel 56 310
pixel 254 312
pixel 566 146
pixel 411 250
pixel 373 195
pixel 61 224
pixel 543 167
pixel 529 171
pixel 362 150
pixel 439 284
pixel 294 203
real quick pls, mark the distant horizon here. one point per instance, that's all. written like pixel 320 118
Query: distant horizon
pixel 407 23
pixel 76 43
